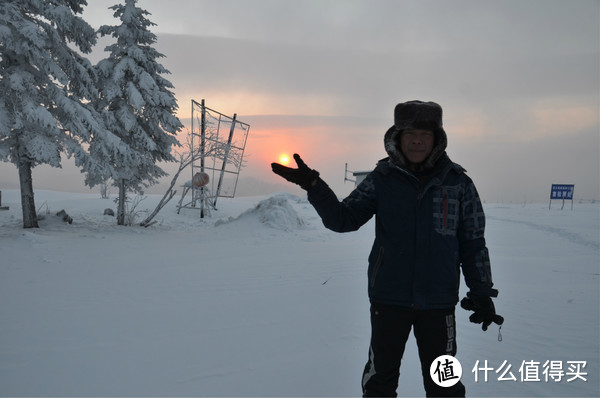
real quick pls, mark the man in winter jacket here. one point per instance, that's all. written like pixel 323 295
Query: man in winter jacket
pixel 429 224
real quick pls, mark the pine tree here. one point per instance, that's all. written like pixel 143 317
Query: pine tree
pixel 46 86
pixel 136 103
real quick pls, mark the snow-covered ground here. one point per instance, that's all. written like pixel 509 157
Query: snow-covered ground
pixel 261 300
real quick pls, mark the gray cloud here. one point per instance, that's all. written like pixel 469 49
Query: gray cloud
pixel 365 55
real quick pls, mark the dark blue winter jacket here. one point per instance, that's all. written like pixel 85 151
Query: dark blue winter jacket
pixel 424 234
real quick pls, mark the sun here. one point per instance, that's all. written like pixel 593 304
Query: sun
pixel 284 159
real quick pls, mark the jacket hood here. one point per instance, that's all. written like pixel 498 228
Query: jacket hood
pixel 391 142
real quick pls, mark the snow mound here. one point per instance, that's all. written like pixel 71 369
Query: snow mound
pixel 275 212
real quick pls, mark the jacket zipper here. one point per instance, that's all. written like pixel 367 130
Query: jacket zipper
pixel 445 209
pixel 420 194
pixel 377 265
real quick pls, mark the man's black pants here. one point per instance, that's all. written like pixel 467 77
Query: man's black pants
pixel 435 333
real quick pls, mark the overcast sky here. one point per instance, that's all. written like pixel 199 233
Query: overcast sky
pixel 519 82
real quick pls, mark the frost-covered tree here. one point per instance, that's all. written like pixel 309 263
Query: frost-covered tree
pixel 45 89
pixel 136 103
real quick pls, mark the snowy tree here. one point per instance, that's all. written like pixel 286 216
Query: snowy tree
pixel 136 103
pixel 46 86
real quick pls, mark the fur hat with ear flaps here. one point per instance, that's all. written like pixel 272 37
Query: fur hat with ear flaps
pixel 416 115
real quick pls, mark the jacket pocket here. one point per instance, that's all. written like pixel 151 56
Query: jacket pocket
pixel 446 210
pixel 376 266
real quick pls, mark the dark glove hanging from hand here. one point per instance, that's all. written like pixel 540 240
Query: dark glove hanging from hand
pixel 303 175
pixel 484 311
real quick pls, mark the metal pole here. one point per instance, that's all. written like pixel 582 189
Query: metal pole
pixel 346 173
pixel 203 143
pixel 192 148
pixel 202 148
pixel 225 156
pixel 241 157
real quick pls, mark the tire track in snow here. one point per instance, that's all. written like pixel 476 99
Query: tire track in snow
pixel 572 237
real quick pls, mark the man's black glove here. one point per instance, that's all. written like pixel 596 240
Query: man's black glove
pixel 484 311
pixel 303 176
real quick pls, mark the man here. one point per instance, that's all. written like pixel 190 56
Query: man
pixel 429 224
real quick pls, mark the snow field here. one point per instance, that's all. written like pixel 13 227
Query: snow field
pixel 261 300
